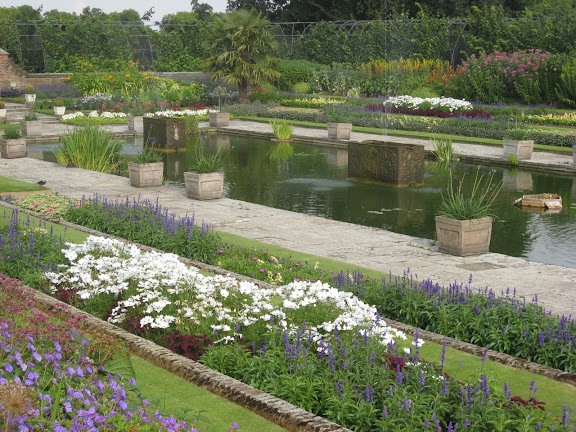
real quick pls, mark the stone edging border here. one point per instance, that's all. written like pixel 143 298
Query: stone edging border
pixel 505 359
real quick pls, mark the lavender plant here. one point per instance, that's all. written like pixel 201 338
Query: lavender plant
pixel 364 385
pixel 148 223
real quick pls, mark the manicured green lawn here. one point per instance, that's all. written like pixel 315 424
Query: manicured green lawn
pixel 173 395
pixel 11 185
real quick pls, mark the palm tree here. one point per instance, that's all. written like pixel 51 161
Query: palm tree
pixel 242 45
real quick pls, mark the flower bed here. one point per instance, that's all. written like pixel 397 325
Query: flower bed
pixel 299 376
pixel 49 380
pixel 94 115
pixel 180 113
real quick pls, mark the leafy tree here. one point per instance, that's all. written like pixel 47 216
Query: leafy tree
pixel 242 45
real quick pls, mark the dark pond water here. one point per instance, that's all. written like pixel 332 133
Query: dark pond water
pixel 312 179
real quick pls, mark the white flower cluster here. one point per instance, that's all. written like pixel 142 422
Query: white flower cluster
pixel 437 103
pixel 93 114
pixel 166 292
pixel 183 113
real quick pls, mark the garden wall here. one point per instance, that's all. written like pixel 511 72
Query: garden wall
pixel 10 73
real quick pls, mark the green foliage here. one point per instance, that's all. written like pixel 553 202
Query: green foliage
pixel 566 87
pixel 30 116
pixel 241 48
pixel 282 130
pixel 264 94
pixel 148 155
pixel 2 105
pixel 12 132
pixel 293 72
pixel 92 148
pixel 513 159
pixel 443 150
pixel 191 125
pixel 29 90
pixel 500 76
pixel 203 161
pixel 517 134
pixel 147 223
pixel 301 87
pixel 59 102
pixel 456 204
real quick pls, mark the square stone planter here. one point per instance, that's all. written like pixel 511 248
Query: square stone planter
pixel 59 111
pixel 32 128
pixel 146 175
pixel 339 130
pixel 463 237
pixel 219 119
pixel 2 115
pixel 164 132
pixel 30 100
pixel 135 123
pixel 574 157
pixel 204 186
pixel 521 149
pixel 13 148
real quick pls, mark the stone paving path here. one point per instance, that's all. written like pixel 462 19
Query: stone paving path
pixel 357 245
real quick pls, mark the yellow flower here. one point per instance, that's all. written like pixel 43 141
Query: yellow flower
pixel 127 75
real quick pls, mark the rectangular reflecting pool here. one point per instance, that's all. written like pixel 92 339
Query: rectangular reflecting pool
pixel 313 179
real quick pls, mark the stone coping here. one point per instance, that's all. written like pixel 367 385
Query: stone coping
pixel 505 359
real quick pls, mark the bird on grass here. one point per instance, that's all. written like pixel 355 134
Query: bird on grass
pixel 41 182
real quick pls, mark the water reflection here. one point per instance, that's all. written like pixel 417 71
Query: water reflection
pixel 313 179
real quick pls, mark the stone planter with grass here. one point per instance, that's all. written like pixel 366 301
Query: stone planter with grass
pixel 12 145
pixel 59 108
pixel 516 143
pixel 147 170
pixel 30 96
pixel 203 177
pixel 463 226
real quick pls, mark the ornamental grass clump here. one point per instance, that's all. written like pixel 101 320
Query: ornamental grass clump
pixel 456 204
pixel 282 130
pixel 12 132
pixel 91 147
pixel 203 161
pixel 148 155
pixel 443 150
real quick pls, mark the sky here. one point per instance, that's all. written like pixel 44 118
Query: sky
pixel 161 8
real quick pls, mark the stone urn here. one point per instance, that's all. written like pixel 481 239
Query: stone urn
pixel 146 174
pixel 32 128
pixel 463 237
pixel 219 119
pixel 135 123
pixel 13 148
pixel 30 99
pixel 339 130
pixel 59 111
pixel 522 149
pixel 204 186
pixel 2 115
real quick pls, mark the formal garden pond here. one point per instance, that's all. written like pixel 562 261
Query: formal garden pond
pixel 312 179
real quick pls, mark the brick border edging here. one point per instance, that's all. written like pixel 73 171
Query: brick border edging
pixel 276 410
pixel 502 358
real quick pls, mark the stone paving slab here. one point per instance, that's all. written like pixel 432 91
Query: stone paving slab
pixel 357 245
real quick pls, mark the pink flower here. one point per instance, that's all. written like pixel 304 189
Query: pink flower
pixel 262 270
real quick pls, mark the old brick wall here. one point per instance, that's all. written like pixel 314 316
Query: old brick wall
pixel 10 73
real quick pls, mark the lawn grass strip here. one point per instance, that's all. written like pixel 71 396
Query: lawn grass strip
pixel 276 410
pixel 496 356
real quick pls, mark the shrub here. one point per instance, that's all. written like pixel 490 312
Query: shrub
pixel 29 90
pixel 296 71
pixel 264 94
pixel 301 87
pixel 500 76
